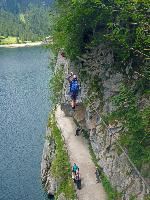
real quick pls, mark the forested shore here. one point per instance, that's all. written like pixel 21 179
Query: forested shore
pixel 22 22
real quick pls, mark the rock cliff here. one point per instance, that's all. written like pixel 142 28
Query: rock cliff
pixel 49 182
pixel 99 82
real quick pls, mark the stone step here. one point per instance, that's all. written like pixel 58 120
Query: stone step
pixel 69 112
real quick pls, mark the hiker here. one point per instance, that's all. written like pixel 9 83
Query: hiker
pixel 74 88
pixel 75 168
pixel 78 179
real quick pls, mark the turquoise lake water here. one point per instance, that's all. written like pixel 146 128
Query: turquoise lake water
pixel 24 108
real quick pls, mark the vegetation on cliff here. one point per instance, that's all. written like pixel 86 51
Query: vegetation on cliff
pixel 85 23
pixel 135 136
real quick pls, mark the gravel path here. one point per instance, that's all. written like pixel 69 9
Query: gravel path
pixel 79 153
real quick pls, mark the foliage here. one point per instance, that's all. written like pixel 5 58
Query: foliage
pixel 8 24
pixel 17 6
pixel 56 86
pixel 136 125
pixel 67 188
pixel 111 192
pixel 61 168
pixel 147 197
pixel 81 24
pixel 33 24
pixel 132 197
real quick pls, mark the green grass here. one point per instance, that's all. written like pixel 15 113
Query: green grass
pixel 9 40
pixel 61 168
pixel 12 40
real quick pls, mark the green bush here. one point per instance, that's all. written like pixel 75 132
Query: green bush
pixel 79 25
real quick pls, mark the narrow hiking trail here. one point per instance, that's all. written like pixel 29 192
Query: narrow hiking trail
pixel 79 153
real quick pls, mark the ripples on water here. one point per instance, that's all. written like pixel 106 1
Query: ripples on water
pixel 24 108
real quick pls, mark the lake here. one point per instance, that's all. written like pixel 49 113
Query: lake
pixel 24 109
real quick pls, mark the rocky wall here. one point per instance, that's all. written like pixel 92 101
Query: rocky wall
pixel 97 64
pixel 49 182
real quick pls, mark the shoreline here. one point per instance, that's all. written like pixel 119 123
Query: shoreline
pixel 28 44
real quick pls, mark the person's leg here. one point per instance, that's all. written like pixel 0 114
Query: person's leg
pixel 76 97
pixel 73 103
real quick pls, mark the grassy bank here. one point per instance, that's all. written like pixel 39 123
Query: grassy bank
pixel 13 40
pixel 61 168
pixel 9 40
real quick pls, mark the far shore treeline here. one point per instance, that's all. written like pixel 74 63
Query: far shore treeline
pixel 24 21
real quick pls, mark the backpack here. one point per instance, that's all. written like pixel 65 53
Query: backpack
pixel 74 86
pixel 75 168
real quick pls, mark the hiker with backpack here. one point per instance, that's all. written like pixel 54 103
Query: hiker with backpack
pixel 75 168
pixel 76 176
pixel 74 88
